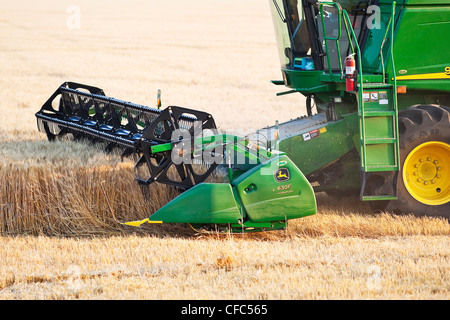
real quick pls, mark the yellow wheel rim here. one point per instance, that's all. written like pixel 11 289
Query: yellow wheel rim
pixel 426 173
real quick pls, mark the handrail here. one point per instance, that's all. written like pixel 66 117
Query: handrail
pixel 390 26
pixel 360 80
pixel 382 46
pixel 325 37
pixel 395 81
pixel 392 53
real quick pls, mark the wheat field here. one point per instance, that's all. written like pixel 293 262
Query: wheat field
pixel 58 238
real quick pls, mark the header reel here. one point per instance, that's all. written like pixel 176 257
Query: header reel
pixel 84 112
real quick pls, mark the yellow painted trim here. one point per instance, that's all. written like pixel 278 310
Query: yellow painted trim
pixel 425 76
pixel 138 223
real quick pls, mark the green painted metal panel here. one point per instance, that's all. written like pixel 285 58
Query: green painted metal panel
pixel 352 123
pixel 421 2
pixel 315 148
pixel 305 81
pixel 379 127
pixel 371 58
pixel 420 47
pixel 275 191
pixel 203 203
pixel 380 157
pixel 161 147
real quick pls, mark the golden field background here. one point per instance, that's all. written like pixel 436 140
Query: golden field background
pixel 58 238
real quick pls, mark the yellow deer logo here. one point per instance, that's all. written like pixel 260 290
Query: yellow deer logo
pixel 282 174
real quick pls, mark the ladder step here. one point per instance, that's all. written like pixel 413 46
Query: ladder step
pixel 384 197
pixel 379 140
pixel 379 113
pixel 379 168
pixel 376 85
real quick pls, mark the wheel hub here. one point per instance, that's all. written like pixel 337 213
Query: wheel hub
pixel 427 170
pixel 426 173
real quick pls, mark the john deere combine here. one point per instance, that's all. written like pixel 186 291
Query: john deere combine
pixel 376 76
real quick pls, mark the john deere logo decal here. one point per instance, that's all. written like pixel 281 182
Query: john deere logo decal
pixel 282 174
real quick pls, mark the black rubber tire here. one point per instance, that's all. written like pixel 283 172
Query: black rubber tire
pixel 417 125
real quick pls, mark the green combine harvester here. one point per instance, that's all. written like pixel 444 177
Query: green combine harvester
pixel 376 76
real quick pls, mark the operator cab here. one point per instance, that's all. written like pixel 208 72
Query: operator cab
pixel 299 31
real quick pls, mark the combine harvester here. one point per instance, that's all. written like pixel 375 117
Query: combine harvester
pixel 376 76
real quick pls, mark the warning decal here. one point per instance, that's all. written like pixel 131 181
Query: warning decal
pixel 311 135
